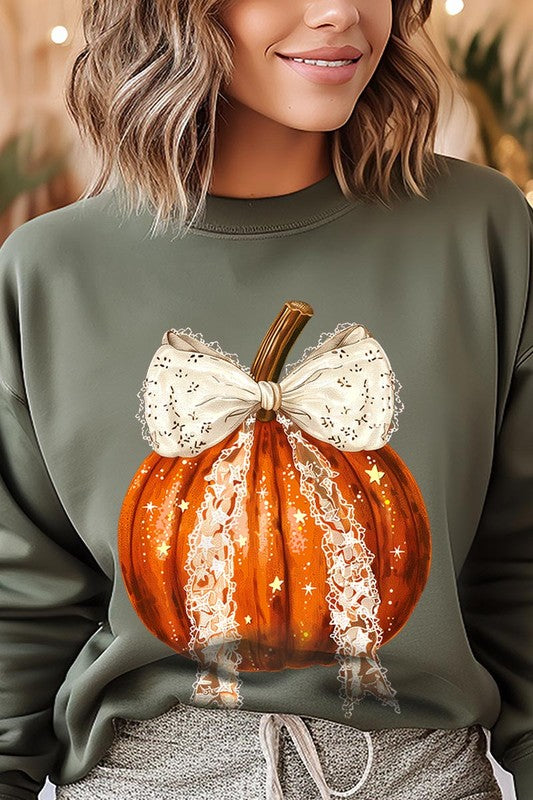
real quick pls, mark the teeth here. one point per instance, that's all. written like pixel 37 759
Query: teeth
pixel 321 63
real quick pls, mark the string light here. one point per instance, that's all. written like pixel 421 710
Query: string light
pixel 454 7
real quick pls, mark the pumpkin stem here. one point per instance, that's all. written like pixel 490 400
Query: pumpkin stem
pixel 276 344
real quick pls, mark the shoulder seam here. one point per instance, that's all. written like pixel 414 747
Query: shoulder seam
pixel 13 392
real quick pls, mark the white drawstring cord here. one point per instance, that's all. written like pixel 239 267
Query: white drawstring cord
pixel 269 727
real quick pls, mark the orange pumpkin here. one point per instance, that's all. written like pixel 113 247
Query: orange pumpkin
pixel 314 568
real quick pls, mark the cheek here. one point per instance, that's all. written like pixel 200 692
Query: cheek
pixel 248 22
pixel 379 24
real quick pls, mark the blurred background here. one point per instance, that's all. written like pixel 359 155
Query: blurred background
pixel 44 165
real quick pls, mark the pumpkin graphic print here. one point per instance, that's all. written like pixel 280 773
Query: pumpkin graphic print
pixel 272 526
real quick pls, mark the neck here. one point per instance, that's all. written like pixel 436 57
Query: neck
pixel 258 157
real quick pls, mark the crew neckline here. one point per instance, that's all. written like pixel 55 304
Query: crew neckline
pixel 304 208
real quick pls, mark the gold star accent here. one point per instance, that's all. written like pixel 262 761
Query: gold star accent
pixel 150 506
pixel 184 505
pixel 374 474
pixel 247 619
pixel 242 540
pixel 163 549
pixel 300 516
pixel 276 584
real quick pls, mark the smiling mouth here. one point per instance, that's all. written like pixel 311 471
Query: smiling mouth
pixel 290 58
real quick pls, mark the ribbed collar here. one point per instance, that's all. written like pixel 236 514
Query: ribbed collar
pixel 307 207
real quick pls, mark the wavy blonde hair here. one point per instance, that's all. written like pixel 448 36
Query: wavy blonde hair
pixel 145 88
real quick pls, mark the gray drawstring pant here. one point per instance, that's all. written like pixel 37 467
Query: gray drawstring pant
pixel 194 753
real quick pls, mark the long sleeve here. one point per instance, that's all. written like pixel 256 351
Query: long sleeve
pixel 496 582
pixel 52 592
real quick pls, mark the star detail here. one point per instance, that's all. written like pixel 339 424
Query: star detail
pixel 184 505
pixel 262 491
pixel 206 679
pixel 219 515
pixel 362 639
pixel 328 484
pixel 206 542
pixel 300 516
pixel 309 588
pixel 235 472
pixel 397 551
pixel 276 584
pixel 242 540
pixel 217 608
pixel 307 471
pixel 225 624
pixel 163 549
pixel 150 506
pixel 374 474
pixel 341 619
pixel 247 619
pixel 218 566
pixel 360 587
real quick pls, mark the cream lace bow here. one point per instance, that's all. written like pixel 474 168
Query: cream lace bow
pixel 342 392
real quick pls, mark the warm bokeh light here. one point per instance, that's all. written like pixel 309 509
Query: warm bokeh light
pixel 454 7
pixel 59 34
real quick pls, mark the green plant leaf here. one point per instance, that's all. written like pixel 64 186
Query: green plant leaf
pixel 14 180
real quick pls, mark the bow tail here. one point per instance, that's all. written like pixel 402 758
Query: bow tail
pixel 214 636
pixel 353 597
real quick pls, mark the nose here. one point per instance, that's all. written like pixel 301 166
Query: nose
pixel 340 13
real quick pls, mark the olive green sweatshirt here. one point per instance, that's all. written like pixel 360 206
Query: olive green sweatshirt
pixel 283 464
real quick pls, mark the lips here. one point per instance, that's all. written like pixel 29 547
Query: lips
pixel 327 53
pixel 328 74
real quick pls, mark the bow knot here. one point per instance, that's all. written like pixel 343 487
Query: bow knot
pixel 270 395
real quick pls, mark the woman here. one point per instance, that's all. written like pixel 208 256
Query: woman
pixel 292 591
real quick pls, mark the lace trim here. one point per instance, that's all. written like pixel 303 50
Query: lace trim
pixel 214 635
pixel 353 597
